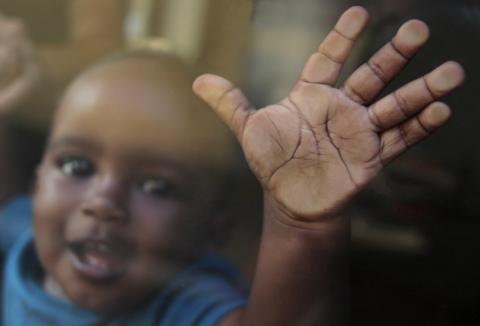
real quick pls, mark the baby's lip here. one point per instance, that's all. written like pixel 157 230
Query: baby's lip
pixel 100 259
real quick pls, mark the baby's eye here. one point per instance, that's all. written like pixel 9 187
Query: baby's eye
pixel 75 166
pixel 159 187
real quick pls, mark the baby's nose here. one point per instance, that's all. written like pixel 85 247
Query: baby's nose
pixel 104 209
pixel 106 201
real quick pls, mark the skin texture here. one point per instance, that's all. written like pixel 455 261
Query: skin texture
pixel 314 150
pixel 122 169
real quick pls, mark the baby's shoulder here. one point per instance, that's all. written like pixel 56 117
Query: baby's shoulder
pixel 15 218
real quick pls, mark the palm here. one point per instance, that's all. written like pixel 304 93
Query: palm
pixel 298 149
pixel 319 145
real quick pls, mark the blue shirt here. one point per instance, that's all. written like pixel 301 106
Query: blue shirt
pixel 15 218
pixel 202 294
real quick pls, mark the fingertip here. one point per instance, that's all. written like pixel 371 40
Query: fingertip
pixel 456 69
pixel 352 21
pixel 208 86
pixel 199 83
pixel 211 88
pixel 413 33
pixel 437 114
pixel 447 76
pixel 359 11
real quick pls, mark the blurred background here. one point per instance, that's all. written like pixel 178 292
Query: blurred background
pixel 415 250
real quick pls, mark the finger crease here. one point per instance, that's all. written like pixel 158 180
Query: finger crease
pixel 245 121
pixel 429 89
pixel 235 112
pixel 377 71
pixel 406 58
pixel 354 95
pixel 372 114
pixel 403 135
pixel 343 35
pixel 225 94
pixel 329 56
pixel 382 151
pixel 401 104
pixel 427 130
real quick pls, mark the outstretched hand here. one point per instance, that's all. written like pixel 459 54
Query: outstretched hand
pixel 321 144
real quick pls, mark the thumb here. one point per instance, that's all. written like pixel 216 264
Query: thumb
pixel 226 100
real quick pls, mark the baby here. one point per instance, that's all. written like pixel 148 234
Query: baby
pixel 126 203
pixel 126 196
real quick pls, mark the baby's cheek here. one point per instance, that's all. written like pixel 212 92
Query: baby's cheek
pixel 54 201
pixel 48 238
pixel 166 225
pixel 57 195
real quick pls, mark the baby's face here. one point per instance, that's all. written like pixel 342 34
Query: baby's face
pixel 122 200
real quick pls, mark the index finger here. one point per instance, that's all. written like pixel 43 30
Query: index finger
pixel 324 66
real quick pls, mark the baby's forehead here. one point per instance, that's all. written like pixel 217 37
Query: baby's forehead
pixel 157 83
pixel 159 72
pixel 158 93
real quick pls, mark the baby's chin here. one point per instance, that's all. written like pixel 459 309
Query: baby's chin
pixel 91 302
pixel 110 296
pixel 103 298
pixel 51 286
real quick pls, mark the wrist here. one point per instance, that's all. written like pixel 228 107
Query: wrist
pixel 326 222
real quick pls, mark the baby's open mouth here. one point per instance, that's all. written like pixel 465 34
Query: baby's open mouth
pixel 99 259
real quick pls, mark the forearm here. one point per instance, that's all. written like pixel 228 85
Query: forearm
pixel 301 273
